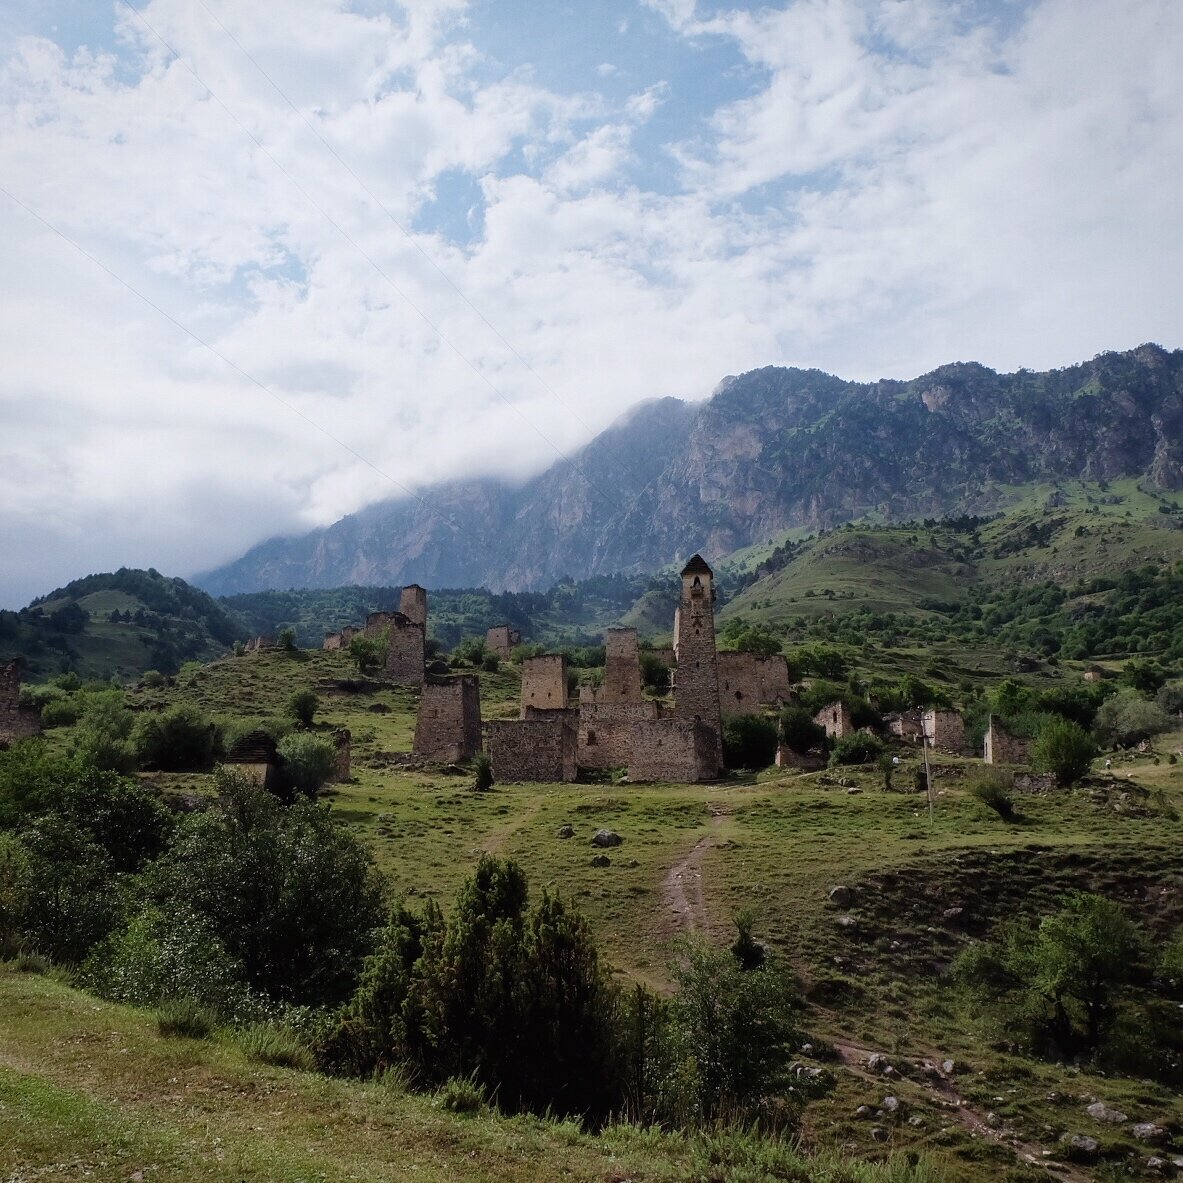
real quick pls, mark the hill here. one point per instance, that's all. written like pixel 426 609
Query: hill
pixel 772 451
pixel 118 624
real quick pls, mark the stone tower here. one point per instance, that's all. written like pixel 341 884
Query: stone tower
pixel 412 603
pixel 696 686
pixel 622 667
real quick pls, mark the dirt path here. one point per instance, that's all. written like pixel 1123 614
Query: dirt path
pixel 683 906
pixel 942 1088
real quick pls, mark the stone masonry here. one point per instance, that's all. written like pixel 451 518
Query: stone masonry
pixel 836 718
pixel 448 727
pixel 16 721
pixel 407 652
pixel 748 682
pixel 376 622
pixel 606 731
pixel 622 668
pixel 412 603
pixel 502 640
pixel 533 749
pixel 1004 748
pixel 944 730
pixel 682 750
pixel 544 683
pixel 343 745
pixel 696 684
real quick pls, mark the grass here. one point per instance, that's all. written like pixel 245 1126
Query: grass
pixel 182 1018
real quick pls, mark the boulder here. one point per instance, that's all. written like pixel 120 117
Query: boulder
pixel 606 838
pixel 840 895
pixel 1081 1148
pixel 1099 1111
pixel 1147 1131
pixel 601 860
pixel 566 831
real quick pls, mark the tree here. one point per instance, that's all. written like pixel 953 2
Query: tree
pixel 1144 676
pixel 800 732
pixel 303 705
pixel 655 674
pixel 308 762
pixel 749 741
pixel 368 653
pixel 178 739
pixel 1064 749
pixel 287 639
pixel 1127 718
pixel 859 748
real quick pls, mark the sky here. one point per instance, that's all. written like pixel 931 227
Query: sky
pixel 264 264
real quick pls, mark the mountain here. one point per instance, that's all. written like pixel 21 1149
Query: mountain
pixel 772 450
pixel 121 623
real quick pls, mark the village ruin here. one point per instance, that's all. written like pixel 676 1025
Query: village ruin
pixel 16 721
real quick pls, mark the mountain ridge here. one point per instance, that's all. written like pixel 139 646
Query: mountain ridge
pixel 771 450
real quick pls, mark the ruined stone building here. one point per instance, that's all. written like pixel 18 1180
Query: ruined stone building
pixel 412 603
pixel 748 683
pixel 16 721
pixel 406 655
pixel 544 683
pixel 944 730
pixel 696 679
pixel 682 750
pixel 539 748
pixel 1003 748
pixel 905 725
pixel 448 726
pixel 257 643
pixel 340 640
pixel 836 718
pixel 257 756
pixel 502 640
pixel 342 755
pixel 622 668
pixel 376 624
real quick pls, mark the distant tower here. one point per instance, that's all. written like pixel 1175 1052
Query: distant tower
pixel 412 603
pixel 622 667
pixel 696 686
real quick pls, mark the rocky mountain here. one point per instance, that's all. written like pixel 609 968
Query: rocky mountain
pixel 771 450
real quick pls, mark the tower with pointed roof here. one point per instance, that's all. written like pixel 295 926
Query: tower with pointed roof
pixel 696 679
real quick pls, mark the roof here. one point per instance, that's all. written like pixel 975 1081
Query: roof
pixel 256 748
pixel 697 566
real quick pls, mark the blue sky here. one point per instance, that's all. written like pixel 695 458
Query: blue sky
pixel 266 264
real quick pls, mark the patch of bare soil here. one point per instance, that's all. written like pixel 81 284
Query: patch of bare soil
pixel 683 907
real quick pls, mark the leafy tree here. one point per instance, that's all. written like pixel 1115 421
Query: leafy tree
pixel 749 741
pixel 800 732
pixel 1170 698
pixel 1063 748
pixel 755 638
pixel 303 705
pixel 103 732
pixel 308 762
pixel 1144 676
pixel 859 748
pixel 180 738
pixel 1127 718
pixel 655 674
pixel 368 653
pixel 287 639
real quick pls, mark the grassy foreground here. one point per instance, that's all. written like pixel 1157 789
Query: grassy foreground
pixel 89 1090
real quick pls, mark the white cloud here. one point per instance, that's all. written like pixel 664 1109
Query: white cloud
pixel 882 186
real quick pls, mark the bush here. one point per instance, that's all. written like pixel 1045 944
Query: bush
pixel 993 792
pixel 1127 718
pixel 302 706
pixel 179 739
pixel 182 1018
pixel 152 679
pixel 1064 749
pixel 369 653
pixel 309 761
pixel 491 664
pixel 61 712
pixel 266 1043
pixel 800 732
pixel 461 1095
pixel 483 772
pixel 102 736
pixel 749 741
pixel 655 674
pixel 287 639
pixel 859 748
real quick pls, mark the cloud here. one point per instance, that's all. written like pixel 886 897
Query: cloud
pixel 870 186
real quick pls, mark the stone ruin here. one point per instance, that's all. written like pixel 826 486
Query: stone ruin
pixel 696 676
pixel 343 746
pixel 256 755
pixel 502 640
pixel 682 750
pixel 257 643
pixel 748 682
pixel 945 730
pixel 540 748
pixel 406 634
pixel 544 683
pixel 341 639
pixel 836 718
pixel 412 603
pixel 16 721
pixel 1003 748
pixel 448 725
pixel 905 725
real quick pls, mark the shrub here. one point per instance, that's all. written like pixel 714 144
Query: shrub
pixel 800 732
pixel 61 712
pixel 993 792
pixel 27 962
pixel 1127 718
pixel 287 639
pixel 369 653
pixel 491 663
pixel 483 772
pixel 266 1043
pixel 309 761
pixel 859 748
pixel 182 1018
pixel 655 674
pixel 749 741
pixel 152 679
pixel 461 1095
pixel 303 705
pixel 178 739
pixel 1064 749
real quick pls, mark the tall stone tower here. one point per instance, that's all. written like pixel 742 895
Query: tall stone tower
pixel 696 684
pixel 412 603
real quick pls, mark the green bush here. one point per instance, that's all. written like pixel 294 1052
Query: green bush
pixel 482 772
pixel 859 748
pixel 303 705
pixel 461 1095
pixel 1064 749
pixel 182 1018
pixel 152 679
pixel 309 761
pixel 749 741
pixel 266 1043
pixel 993 791
pixel 800 732
pixel 179 739
pixel 1127 718
pixel 655 674
pixel 61 712
pixel 369 653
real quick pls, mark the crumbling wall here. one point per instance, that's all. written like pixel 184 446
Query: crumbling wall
pixel 606 731
pixel 696 680
pixel 16 721
pixel 257 643
pixel 679 750
pixel 1003 748
pixel 343 744
pixel 376 622
pixel 622 668
pixel 448 726
pixel 905 725
pixel 502 640
pixel 747 682
pixel 534 749
pixel 836 718
pixel 945 730
pixel 332 641
pixel 412 603
pixel 544 683
pixel 407 652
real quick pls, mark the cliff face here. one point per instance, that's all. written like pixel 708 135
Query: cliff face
pixel 771 449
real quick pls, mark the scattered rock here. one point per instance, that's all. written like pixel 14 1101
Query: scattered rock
pixel 877 1062
pixel 1154 1163
pixel 993 1120
pixel 1099 1111
pixel 606 838
pixel 847 922
pixel 878 1134
pixel 1081 1147
pixel 863 1111
pixel 948 1067
pixel 601 860
pixel 853 790
pixel 951 914
pixel 840 895
pixel 1147 1131
pixel 891 1104
pixel 566 831
pixel 890 1072
pixel 916 1121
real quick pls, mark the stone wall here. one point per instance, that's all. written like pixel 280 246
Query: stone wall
pixel 836 718
pixel 747 682
pixel 1002 747
pixel 606 731
pixel 332 641
pixel 534 749
pixel 502 640
pixel 407 652
pixel 696 680
pixel 448 726
pixel 343 742
pixel 257 643
pixel 944 730
pixel 412 603
pixel 622 668
pixel 16 721
pixel 544 683
pixel 376 622
pixel 680 750
pixel 905 725
pixel 806 762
